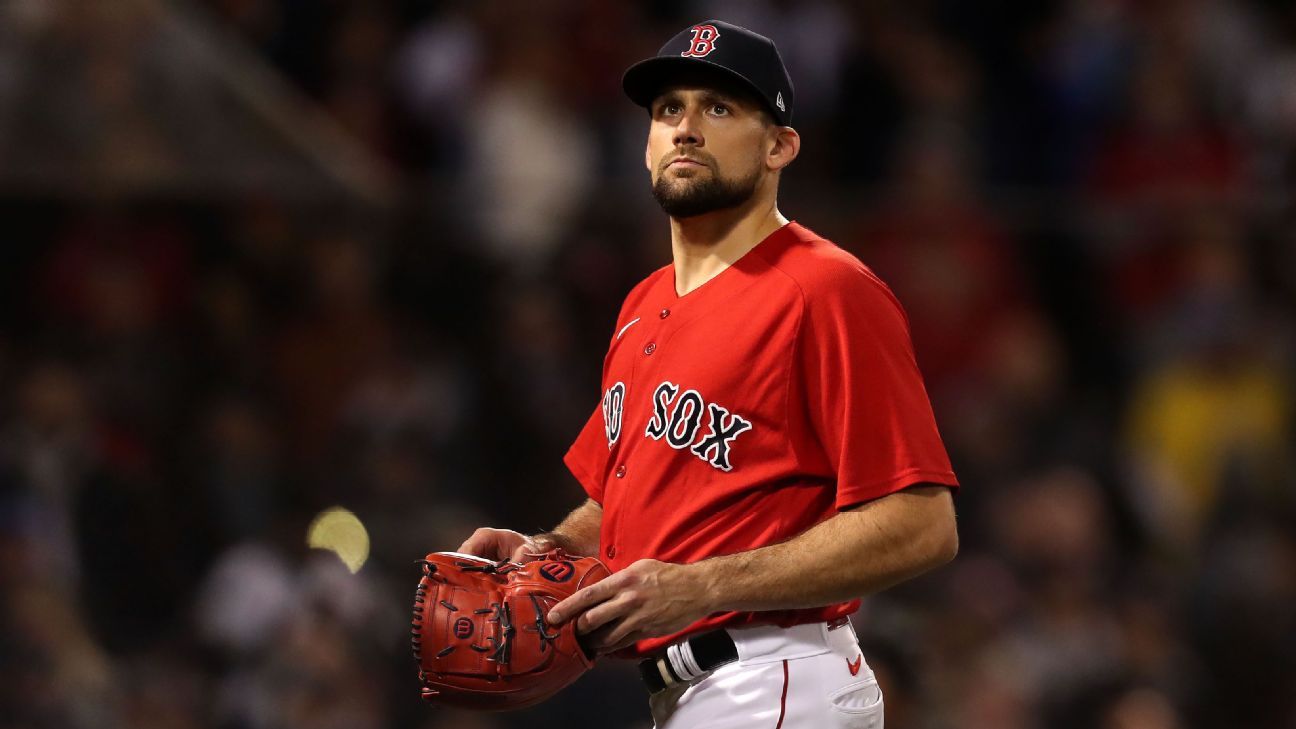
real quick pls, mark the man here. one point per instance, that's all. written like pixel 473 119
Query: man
pixel 765 452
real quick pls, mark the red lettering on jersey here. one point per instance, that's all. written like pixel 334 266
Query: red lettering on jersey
pixel 855 666
pixel 704 38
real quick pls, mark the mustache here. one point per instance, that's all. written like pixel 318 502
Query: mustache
pixel 705 159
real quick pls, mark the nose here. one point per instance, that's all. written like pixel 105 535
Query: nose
pixel 687 131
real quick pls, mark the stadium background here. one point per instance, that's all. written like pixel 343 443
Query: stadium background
pixel 264 257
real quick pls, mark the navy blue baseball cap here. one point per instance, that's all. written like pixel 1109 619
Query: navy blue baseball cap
pixel 714 46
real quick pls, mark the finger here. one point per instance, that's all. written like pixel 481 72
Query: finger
pixel 597 641
pixel 522 553
pixel 624 643
pixel 478 546
pixel 471 546
pixel 613 637
pixel 600 615
pixel 581 601
pixel 621 633
pixel 484 542
pixel 531 549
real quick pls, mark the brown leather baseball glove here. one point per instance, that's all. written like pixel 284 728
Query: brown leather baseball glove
pixel 479 632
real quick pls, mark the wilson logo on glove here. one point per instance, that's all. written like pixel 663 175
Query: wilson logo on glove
pixel 463 628
pixel 479 632
pixel 557 571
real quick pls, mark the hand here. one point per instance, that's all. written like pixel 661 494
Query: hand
pixel 645 600
pixel 497 544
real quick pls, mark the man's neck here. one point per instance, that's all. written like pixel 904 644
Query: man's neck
pixel 705 245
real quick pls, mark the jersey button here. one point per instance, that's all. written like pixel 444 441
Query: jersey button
pixel 620 472
pixel 665 313
pixel 650 348
pixel 610 551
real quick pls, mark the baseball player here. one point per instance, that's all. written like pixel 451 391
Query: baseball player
pixel 765 452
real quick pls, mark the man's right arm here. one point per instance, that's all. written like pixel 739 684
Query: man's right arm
pixel 578 534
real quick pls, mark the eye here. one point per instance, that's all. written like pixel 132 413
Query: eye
pixel 670 109
pixel 720 110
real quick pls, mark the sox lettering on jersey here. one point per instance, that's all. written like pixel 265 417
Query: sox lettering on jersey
pixel 684 420
pixel 703 42
pixel 678 418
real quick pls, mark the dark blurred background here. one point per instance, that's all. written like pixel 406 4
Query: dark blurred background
pixel 265 257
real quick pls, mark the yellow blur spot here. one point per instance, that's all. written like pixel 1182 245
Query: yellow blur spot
pixel 339 531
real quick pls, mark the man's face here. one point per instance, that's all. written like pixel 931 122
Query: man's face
pixel 706 149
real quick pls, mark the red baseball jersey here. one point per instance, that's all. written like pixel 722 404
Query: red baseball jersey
pixel 754 407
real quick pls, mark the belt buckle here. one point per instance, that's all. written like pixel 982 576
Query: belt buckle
pixel 688 660
pixel 655 673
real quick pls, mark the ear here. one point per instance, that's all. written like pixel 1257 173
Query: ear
pixel 783 148
pixel 647 157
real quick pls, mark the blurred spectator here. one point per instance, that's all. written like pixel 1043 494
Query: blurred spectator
pixel 56 674
pixel 1167 150
pixel 321 354
pixel 530 157
pixel 46 454
pixel 436 71
pixel 1215 412
pixel 943 252
pixel 1140 709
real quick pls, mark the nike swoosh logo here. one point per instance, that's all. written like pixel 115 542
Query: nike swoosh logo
pixel 627 326
pixel 855 667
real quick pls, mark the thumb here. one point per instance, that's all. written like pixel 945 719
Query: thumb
pixel 520 554
pixel 533 546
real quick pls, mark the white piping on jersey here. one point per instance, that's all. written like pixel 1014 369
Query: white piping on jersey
pixel 627 326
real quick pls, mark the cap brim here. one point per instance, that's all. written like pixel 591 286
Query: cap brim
pixel 643 81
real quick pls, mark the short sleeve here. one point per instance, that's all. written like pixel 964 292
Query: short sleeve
pixel 587 456
pixel 864 398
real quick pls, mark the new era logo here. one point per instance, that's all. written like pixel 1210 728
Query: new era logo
pixel 778 101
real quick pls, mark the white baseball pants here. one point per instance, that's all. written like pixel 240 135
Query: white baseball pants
pixel 803 677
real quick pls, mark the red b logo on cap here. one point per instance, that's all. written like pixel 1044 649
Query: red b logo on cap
pixel 704 38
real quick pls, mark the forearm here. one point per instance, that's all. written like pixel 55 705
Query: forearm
pixel 850 555
pixel 579 532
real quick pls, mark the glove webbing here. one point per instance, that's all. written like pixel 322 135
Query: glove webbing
pixel 502 647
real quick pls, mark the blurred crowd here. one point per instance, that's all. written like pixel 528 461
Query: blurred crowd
pixel 1086 207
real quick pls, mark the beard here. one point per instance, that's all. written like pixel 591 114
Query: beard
pixel 691 196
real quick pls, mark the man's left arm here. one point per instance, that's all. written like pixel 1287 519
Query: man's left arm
pixel 852 554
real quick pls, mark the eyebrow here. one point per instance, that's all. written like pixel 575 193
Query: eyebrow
pixel 707 97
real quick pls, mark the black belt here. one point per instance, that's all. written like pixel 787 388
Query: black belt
pixel 710 651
